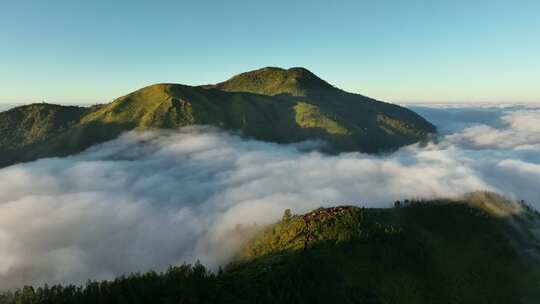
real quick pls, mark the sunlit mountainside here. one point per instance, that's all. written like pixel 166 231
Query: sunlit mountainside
pixel 270 104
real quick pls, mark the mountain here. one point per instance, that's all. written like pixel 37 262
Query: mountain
pixel 478 248
pixel 271 104
pixel 277 81
pixel 460 250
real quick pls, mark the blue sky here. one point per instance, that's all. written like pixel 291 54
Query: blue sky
pixel 77 51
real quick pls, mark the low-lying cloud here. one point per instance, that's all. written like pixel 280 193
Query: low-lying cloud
pixel 148 200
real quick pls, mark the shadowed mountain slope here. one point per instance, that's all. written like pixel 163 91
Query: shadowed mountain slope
pixel 270 104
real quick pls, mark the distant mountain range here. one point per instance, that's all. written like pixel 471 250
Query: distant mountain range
pixel 271 104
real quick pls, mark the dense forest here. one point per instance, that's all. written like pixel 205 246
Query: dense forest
pixel 418 252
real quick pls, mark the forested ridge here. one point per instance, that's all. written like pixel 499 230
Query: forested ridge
pixel 439 251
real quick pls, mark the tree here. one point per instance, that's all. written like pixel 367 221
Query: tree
pixel 287 215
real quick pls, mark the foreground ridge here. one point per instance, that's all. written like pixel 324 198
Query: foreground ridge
pixel 431 251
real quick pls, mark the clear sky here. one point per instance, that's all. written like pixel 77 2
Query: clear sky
pixel 78 51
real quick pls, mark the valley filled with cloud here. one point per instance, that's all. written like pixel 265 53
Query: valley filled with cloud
pixel 148 200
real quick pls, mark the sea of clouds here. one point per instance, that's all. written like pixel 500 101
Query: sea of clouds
pixel 149 200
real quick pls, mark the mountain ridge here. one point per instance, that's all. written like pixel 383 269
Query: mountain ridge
pixel 270 104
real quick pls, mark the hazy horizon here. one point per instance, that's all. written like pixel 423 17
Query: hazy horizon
pixel 8 105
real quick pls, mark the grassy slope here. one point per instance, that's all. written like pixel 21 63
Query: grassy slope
pixel 23 129
pixel 23 125
pixel 276 81
pixel 278 105
pixel 371 122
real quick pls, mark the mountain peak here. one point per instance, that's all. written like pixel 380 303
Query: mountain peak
pixel 296 81
pixel 272 104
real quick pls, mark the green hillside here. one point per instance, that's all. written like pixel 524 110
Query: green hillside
pixel 276 81
pixel 270 104
pixel 441 251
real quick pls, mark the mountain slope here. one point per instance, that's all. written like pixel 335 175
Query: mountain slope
pixel 362 116
pixel 444 251
pixel 441 251
pixel 275 81
pixel 270 104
